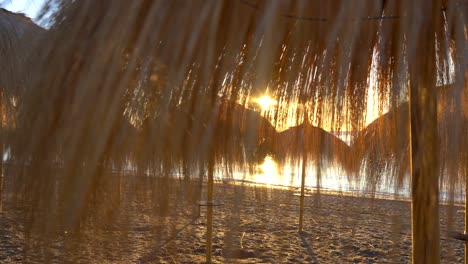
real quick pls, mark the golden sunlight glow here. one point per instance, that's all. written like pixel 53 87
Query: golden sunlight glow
pixel 268 172
pixel 269 166
pixel 265 102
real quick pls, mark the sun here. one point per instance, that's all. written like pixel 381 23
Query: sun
pixel 265 102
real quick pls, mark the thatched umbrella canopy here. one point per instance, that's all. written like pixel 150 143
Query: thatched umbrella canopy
pixel 304 52
pixel 18 35
pixel 322 147
pixel 382 148
pixel 453 130
pixel 254 132
pixel 244 135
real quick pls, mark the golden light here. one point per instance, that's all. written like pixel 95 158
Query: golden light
pixel 265 102
pixel 268 172
pixel 269 166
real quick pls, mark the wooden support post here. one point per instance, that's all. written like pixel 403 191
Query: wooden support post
pixel 466 210
pixel 209 209
pixel 2 140
pixel 424 177
pixel 304 168
pixel 424 183
pixel 423 137
pixel 2 179
pixel 1 189
pixel 301 205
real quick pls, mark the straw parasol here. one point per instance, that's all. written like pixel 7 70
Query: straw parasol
pixel 302 49
pixel 18 34
pixel 17 38
pixel 273 43
pixel 382 148
pixel 253 131
pixel 321 146
pixel 239 134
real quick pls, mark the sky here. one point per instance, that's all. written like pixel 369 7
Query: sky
pixel 29 7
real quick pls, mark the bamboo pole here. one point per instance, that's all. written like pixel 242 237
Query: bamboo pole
pixel 301 206
pixel 304 165
pixel 1 188
pixel 466 211
pixel 209 209
pixel 423 137
pixel 2 129
pixel 318 180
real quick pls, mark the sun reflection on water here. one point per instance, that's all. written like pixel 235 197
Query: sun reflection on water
pixel 268 172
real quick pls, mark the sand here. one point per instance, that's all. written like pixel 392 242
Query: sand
pixel 254 225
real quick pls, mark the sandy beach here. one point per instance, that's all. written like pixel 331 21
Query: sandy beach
pixel 254 225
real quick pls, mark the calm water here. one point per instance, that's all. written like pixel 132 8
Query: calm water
pixel 332 178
